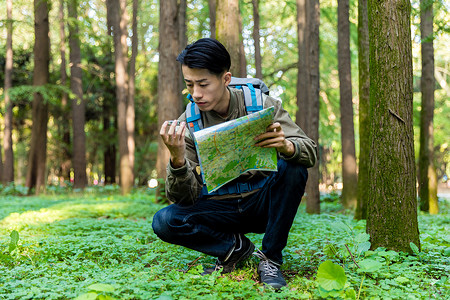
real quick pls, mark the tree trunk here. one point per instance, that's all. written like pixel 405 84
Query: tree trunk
pixel 66 156
pixel 243 59
pixel 257 39
pixel 427 170
pixel 169 104
pixel 36 173
pixel 131 89
pixel 364 122
pixel 227 30
pixel 78 103
pixel 109 114
pixel 303 71
pixel 7 174
pixel 349 177
pixel 392 202
pixel 119 23
pixel 312 186
pixel 212 17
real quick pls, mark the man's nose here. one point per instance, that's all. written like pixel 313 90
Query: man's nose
pixel 196 93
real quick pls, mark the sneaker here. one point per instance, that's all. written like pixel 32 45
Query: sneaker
pixel 242 249
pixel 269 272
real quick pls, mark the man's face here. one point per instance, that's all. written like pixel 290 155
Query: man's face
pixel 208 90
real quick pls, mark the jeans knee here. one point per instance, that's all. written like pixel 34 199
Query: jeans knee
pixel 293 172
pixel 160 223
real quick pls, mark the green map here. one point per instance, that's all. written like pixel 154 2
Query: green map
pixel 227 150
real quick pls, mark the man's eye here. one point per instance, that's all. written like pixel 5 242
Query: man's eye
pixel 189 85
pixel 203 85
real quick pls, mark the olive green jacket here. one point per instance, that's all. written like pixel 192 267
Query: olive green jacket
pixel 183 185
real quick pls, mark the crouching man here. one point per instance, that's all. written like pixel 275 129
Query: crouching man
pixel 257 201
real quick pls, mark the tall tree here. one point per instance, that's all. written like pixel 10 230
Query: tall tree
pixel 392 203
pixel 427 170
pixel 169 104
pixel 242 58
pixel 303 70
pixel 119 21
pixel 36 173
pixel 256 39
pixel 364 122
pixel 109 114
pixel 349 177
pixel 64 118
pixel 307 116
pixel 78 102
pixel 212 17
pixel 227 31
pixel 312 186
pixel 130 123
pixel 8 166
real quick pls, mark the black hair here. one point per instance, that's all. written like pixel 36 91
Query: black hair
pixel 207 54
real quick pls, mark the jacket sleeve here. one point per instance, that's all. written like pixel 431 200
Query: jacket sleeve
pixel 305 148
pixel 183 185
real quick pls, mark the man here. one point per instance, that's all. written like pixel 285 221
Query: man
pixel 266 202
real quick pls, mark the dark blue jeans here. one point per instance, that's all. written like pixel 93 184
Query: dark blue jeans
pixel 209 226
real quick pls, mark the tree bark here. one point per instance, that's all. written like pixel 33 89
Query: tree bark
pixel 212 17
pixel 243 59
pixel 257 39
pixel 312 186
pixel 364 122
pixel 7 173
pixel 66 156
pixel 119 23
pixel 130 123
pixel 349 177
pixel 78 103
pixel 109 114
pixel 169 104
pixel 427 170
pixel 303 71
pixel 36 173
pixel 392 202
pixel 227 30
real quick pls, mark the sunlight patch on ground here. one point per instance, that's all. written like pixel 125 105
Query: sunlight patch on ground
pixel 60 212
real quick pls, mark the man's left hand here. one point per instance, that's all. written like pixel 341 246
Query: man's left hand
pixel 274 138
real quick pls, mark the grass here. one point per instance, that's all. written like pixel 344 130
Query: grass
pixel 101 246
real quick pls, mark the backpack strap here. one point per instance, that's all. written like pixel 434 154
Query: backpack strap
pixel 193 116
pixel 253 89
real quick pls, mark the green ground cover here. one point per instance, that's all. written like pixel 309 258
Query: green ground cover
pixel 101 246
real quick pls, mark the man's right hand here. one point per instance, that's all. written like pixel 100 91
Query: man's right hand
pixel 174 140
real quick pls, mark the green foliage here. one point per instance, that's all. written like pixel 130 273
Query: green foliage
pixel 100 245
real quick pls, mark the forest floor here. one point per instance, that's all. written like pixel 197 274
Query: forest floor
pixel 100 245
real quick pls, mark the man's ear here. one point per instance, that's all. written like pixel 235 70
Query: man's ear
pixel 227 78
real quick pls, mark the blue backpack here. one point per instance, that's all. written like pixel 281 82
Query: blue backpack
pixel 253 96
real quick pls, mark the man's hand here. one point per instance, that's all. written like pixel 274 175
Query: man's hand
pixel 174 140
pixel 274 138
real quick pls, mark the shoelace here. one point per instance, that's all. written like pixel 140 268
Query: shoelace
pixel 270 268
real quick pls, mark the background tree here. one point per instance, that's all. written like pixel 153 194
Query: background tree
pixel 364 122
pixel 66 157
pixel 392 203
pixel 119 22
pixel 256 39
pixel 427 170
pixel 212 18
pixel 36 174
pixel 307 116
pixel 227 31
pixel 349 177
pixel 130 116
pixel 7 172
pixel 169 104
pixel 78 102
